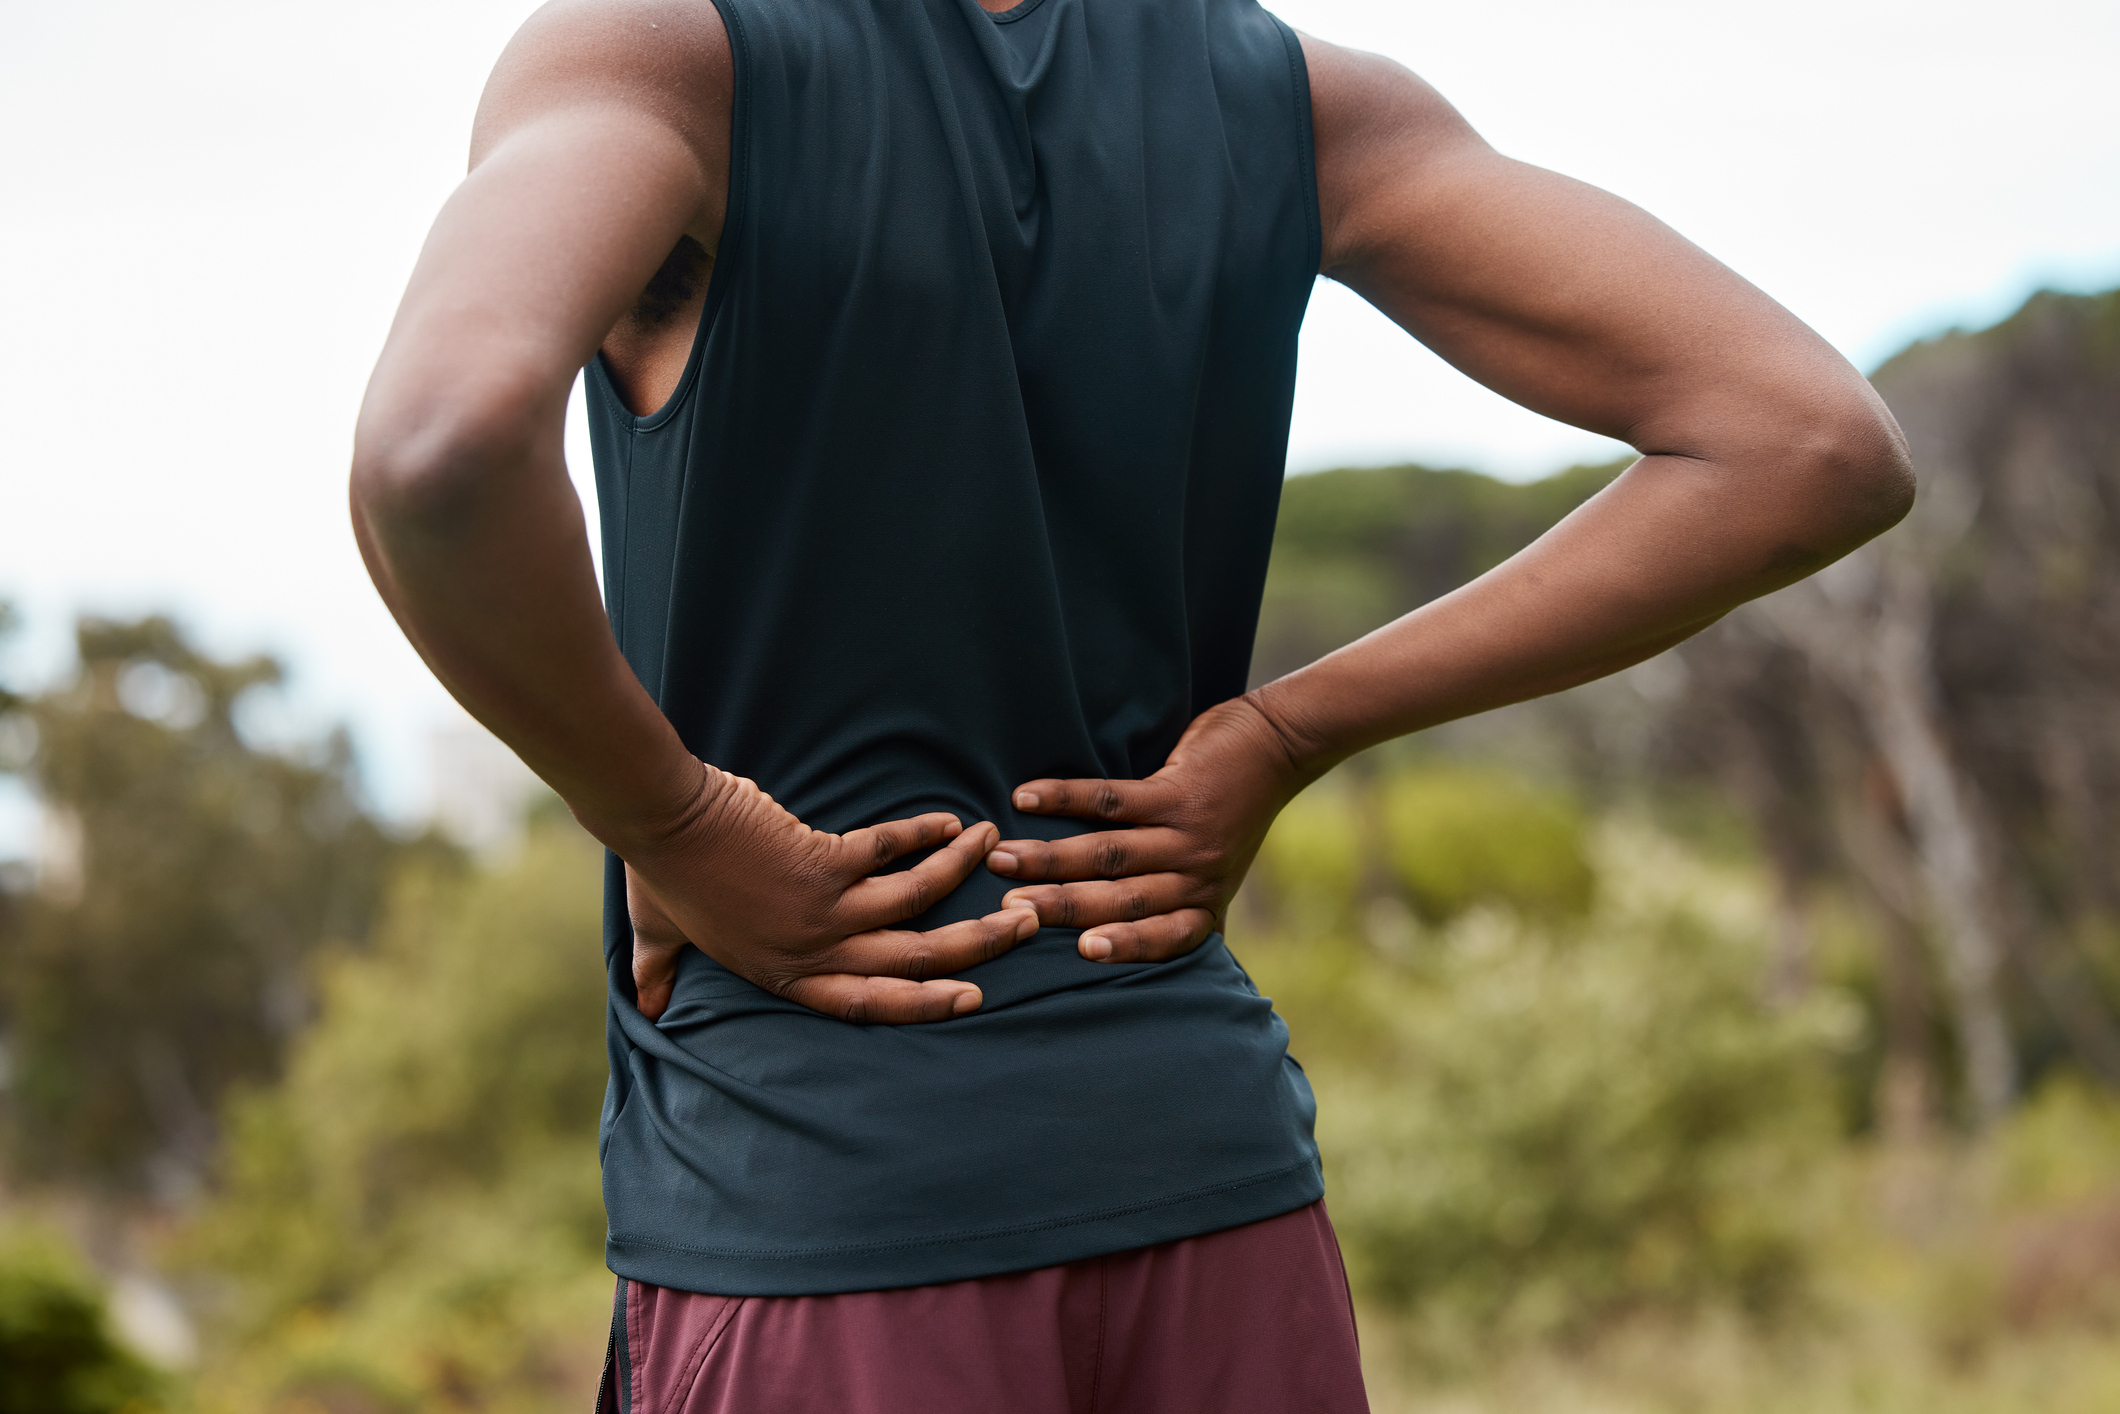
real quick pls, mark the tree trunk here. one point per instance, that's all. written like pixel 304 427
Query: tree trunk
pixel 1897 696
pixel 1865 623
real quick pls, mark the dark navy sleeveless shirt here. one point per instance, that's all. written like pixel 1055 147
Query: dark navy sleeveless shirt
pixel 971 479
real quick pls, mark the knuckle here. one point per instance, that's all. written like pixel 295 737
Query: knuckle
pixel 855 1009
pixel 1104 801
pixel 1198 853
pixel 919 893
pixel 1063 907
pixel 1110 858
pixel 918 962
pixel 1135 906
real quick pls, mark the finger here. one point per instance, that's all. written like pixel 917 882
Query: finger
pixel 656 943
pixel 890 898
pixel 868 849
pixel 1087 905
pixel 898 952
pixel 1131 801
pixel 882 1001
pixel 1157 939
pixel 1108 854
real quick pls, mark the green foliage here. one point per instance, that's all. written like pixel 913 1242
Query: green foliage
pixel 1533 1129
pixel 1463 835
pixel 1444 836
pixel 2063 1144
pixel 414 1212
pixel 1442 527
pixel 57 1355
pixel 1354 549
pixel 1310 865
pixel 165 954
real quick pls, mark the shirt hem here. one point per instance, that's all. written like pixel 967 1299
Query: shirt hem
pixel 882 1266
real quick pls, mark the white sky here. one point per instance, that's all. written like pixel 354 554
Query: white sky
pixel 210 208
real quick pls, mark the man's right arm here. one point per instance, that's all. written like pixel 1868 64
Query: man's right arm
pixel 602 139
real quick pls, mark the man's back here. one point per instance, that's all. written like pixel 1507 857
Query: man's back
pixel 995 367
pixel 970 479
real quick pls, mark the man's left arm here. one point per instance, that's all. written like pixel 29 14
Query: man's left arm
pixel 1764 457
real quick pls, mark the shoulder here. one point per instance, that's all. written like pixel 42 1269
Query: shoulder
pixel 668 60
pixel 1381 135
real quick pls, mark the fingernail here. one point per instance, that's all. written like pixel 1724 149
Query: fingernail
pixel 1096 949
pixel 953 829
pixel 1026 801
pixel 1028 924
pixel 1001 862
pixel 966 1003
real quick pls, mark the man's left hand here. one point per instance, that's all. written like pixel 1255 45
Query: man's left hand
pixel 1156 889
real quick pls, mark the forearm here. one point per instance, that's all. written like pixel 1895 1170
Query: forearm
pixel 491 578
pixel 461 501
pixel 1669 547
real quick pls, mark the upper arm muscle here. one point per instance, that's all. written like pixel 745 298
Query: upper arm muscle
pixel 1560 296
pixel 602 139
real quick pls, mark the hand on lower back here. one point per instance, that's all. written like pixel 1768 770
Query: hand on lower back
pixel 804 915
pixel 1158 888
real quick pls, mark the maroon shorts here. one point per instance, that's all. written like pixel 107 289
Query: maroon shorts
pixel 1254 1320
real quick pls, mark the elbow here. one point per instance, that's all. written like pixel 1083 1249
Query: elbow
pixel 1854 476
pixel 424 463
pixel 1880 470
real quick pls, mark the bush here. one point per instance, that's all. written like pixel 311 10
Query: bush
pixel 413 1219
pixel 1532 1129
pixel 1310 867
pixel 1458 836
pixel 57 1355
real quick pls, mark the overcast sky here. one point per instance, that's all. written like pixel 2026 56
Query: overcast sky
pixel 212 206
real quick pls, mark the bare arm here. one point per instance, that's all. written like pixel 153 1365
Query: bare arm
pixel 601 141
pixel 1764 457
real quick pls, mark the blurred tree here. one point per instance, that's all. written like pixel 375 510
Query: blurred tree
pixel 412 1216
pixel 1956 734
pixel 10 622
pixel 186 880
pixel 56 1351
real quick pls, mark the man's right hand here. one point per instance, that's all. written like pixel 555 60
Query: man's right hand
pixel 803 913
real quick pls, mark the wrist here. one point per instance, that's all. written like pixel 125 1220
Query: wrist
pixel 1301 757
pixel 664 807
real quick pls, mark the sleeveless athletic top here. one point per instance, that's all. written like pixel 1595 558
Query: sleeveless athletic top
pixel 971 479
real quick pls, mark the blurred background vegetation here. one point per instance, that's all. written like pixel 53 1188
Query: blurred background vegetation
pixel 1736 1034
